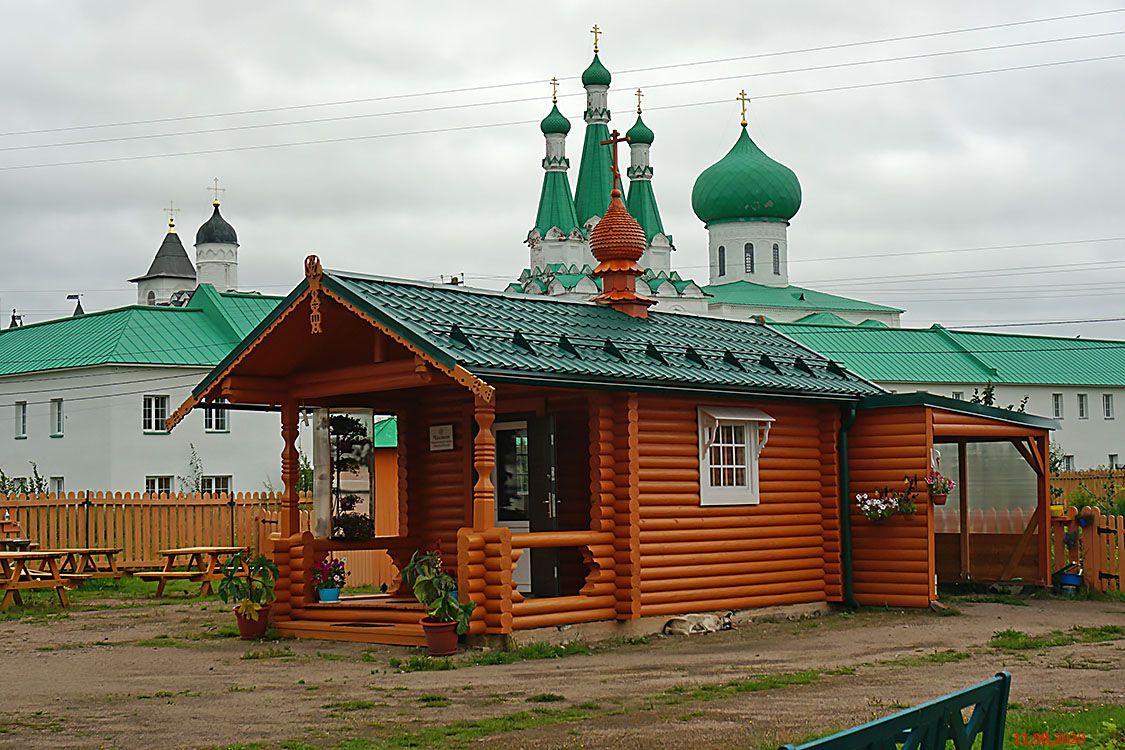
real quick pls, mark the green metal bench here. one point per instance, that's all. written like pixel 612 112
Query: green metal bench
pixel 932 725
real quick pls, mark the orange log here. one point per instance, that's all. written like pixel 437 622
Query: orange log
pixel 721 572
pixel 715 562
pixel 813 572
pixel 558 604
pixel 730 522
pixel 714 535
pixel 739 545
pixel 702 594
pixel 740 602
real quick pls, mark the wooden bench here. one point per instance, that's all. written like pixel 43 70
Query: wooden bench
pixel 18 576
pixel 204 564
pixel 931 724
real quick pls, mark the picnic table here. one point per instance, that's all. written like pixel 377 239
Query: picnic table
pixel 17 576
pixel 204 564
pixel 82 562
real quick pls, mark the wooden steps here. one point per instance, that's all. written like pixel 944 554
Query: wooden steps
pixel 377 618
pixel 389 634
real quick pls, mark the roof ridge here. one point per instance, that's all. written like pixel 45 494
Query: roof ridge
pixel 991 371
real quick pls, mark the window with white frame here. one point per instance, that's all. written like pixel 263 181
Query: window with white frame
pixel 154 411
pixel 959 395
pixel 776 260
pixel 1068 463
pixel 1083 406
pixel 1114 461
pixel 57 417
pixel 748 251
pixel 1107 405
pixel 730 442
pixel 216 485
pixel 1057 405
pixel 21 419
pixel 216 418
pixel 56 485
pixel 157 484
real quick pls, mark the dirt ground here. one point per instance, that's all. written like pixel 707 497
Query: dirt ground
pixel 151 677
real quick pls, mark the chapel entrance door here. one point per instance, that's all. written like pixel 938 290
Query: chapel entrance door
pixel 526 498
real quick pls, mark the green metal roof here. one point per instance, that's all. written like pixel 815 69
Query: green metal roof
pixel 555 122
pixel 939 355
pixel 386 433
pixel 921 398
pixel 640 133
pixel 505 338
pixel 749 293
pixel 596 74
pixel 746 185
pixel 556 207
pixel 641 203
pixel 824 319
pixel 200 333
pixel 595 175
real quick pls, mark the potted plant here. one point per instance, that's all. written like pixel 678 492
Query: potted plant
pixel 939 487
pixel 328 577
pixel 879 507
pixel 446 616
pixel 249 582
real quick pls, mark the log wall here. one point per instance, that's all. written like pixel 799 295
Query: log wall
pixel 783 551
pixel 893 559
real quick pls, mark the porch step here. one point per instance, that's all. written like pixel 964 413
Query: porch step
pixel 366 609
pixel 384 633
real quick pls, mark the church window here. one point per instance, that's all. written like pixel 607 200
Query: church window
pixel 748 249
pixel 722 261
pixel 730 443
pixel 151 298
pixel 216 419
pixel 776 259
pixel 57 418
pixel 21 419
pixel 153 413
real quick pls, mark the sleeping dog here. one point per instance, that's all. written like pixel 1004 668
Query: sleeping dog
pixel 705 623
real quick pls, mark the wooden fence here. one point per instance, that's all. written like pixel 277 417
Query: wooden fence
pixel 1093 479
pixel 1100 549
pixel 142 524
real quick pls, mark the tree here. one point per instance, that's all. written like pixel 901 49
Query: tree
pixel 33 485
pixel 986 396
pixel 193 482
pixel 351 450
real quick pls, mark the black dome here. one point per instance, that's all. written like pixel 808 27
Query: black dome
pixel 216 229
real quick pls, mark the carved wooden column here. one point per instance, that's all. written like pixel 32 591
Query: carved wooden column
pixel 484 461
pixel 290 470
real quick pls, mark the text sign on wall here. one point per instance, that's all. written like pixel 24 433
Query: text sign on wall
pixel 441 437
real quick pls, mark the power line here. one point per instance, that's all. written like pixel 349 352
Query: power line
pixel 468 105
pixel 543 79
pixel 1045 323
pixel 484 126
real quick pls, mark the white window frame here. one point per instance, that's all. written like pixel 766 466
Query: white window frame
pixel 1107 405
pixel 1114 460
pixel 958 395
pixel 58 418
pixel 153 482
pixel 757 426
pixel 1083 406
pixel 1057 405
pixel 207 484
pixel 1068 463
pixel 216 418
pixel 21 420
pixel 150 425
pixel 56 485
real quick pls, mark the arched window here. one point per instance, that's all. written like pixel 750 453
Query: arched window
pixel 722 261
pixel 748 249
pixel 152 298
pixel 776 259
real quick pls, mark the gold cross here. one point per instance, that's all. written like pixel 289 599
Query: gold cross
pixel 216 189
pixel 596 32
pixel 554 91
pixel 742 97
pixel 639 96
pixel 171 211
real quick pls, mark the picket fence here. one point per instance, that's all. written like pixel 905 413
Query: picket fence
pixel 142 524
pixel 1094 480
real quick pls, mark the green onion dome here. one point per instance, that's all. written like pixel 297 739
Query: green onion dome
pixel 555 123
pixel 640 133
pixel 596 74
pixel 746 185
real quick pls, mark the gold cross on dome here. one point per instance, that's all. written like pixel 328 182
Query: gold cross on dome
pixel 171 211
pixel 742 97
pixel 554 90
pixel 596 32
pixel 639 97
pixel 216 189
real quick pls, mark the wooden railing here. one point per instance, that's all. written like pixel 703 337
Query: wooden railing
pixel 596 600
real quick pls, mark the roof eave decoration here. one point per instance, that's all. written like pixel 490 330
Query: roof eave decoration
pixel 316 283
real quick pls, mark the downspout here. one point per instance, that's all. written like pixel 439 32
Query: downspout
pixel 846 423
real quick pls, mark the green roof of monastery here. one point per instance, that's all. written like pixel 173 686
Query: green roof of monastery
pixel 640 133
pixel 528 339
pixel 940 355
pixel 595 174
pixel 596 74
pixel 790 297
pixel 556 207
pixel 746 185
pixel 201 333
pixel 641 203
pixel 385 434
pixel 555 122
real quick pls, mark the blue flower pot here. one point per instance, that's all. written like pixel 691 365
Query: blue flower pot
pixel 1070 579
pixel 329 595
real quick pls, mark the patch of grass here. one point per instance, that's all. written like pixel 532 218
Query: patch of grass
pixel 344 706
pixel 163 641
pixel 533 651
pixel 461 733
pixel 1099 633
pixel 37 721
pixel 297 745
pixel 1012 601
pixel 589 706
pixel 1087 719
pixel 1017 640
pixel 937 657
pixel 545 698
pixel 271 652
pixel 432 700
pixel 326 656
pixel 719 690
pixel 420 663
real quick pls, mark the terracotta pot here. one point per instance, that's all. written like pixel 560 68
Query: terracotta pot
pixel 441 637
pixel 252 630
pixel 939 498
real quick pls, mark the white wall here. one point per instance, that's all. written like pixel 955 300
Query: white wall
pixel 733 235
pixel 791 315
pixel 104 447
pixel 1089 440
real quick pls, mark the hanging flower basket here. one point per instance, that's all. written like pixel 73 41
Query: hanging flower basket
pixel 939 487
pixel 939 498
pixel 878 507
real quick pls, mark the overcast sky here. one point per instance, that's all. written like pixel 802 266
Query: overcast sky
pixel 1021 157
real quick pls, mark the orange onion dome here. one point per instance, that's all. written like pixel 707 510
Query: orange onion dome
pixel 617 236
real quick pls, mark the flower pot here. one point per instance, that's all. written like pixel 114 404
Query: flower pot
pixel 252 630
pixel 939 498
pixel 1057 511
pixel 441 637
pixel 329 595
